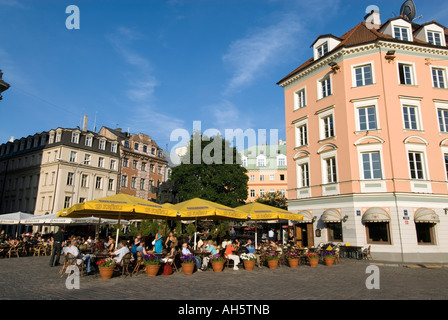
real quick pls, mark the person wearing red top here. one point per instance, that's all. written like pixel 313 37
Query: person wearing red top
pixel 229 255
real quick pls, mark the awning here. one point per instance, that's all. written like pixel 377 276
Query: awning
pixel 375 215
pixel 425 215
pixel 307 216
pixel 331 215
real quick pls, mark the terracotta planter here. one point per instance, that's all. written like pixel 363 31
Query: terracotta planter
pixel 217 266
pixel 152 270
pixel 187 268
pixel 106 272
pixel 273 264
pixel 293 263
pixel 313 262
pixel 249 265
pixel 329 261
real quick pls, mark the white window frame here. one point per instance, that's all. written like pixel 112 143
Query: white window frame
pixel 433 32
pixel 114 147
pixel 281 160
pixel 361 65
pixel 443 107
pixel 444 74
pixel 322 116
pixel 324 157
pixel 300 163
pixel 301 140
pixel 261 160
pixel 75 137
pixel 401 27
pixel 73 156
pixel 87 159
pixel 413 73
pixel 412 103
pixel 102 144
pixel 99 183
pixel 300 98
pixel 89 141
pixel 320 91
pixel 320 50
pixel 365 104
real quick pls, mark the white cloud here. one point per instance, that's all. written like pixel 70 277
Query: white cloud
pixel 11 3
pixel 249 55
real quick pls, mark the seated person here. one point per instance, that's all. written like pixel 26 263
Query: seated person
pixel 249 246
pixel 210 248
pixel 186 251
pixel 171 254
pixel 72 248
pixel 120 253
pixel 139 245
pixel 230 249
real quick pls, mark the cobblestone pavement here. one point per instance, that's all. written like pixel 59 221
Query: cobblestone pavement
pixel 30 278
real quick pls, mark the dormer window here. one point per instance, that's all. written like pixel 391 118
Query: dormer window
pixel 401 33
pixel 434 38
pixel 322 50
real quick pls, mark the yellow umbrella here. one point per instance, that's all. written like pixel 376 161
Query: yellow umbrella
pixel 118 206
pixel 200 208
pixel 259 211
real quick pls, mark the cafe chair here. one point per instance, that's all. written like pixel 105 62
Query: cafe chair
pixel 13 251
pixel 172 262
pixel 125 262
pixel 69 260
pixel 366 254
pixel 337 255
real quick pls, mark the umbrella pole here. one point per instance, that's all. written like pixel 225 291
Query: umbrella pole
pixel 195 231
pixel 98 228
pixel 256 236
pixel 118 229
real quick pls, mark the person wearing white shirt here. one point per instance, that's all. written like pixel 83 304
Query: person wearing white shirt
pixel 74 251
pixel 121 252
pixel 186 251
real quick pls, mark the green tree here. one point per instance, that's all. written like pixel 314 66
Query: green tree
pixel 211 170
pixel 276 199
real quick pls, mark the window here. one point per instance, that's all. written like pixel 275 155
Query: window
pixel 110 186
pixel 112 164
pixel 410 117
pixel 125 162
pixel 151 168
pixel 84 180
pixel 135 146
pixel 330 170
pixel 89 141
pixel 302 135
pixel 124 181
pixel 434 38
pixel 416 165
pixel 282 177
pixel 143 166
pixel 363 75
pixel 367 118
pixel 145 149
pixel 425 233
pixel 114 147
pixel 300 99
pixel 261 161
pixel 58 136
pixel 377 232
pixel 70 178
pixel 100 162
pixel 133 181
pixel 325 87
pixel 72 156
pixel 99 183
pixel 261 177
pixel 328 127
pixel 252 177
pixel 445 156
pixel 67 201
pixel 87 159
pixel 272 177
pixel 281 161
pixel 75 137
pixel 126 144
pixel 262 193
pixel 401 33
pixel 371 165
pixel 322 50
pixel 142 184
pixel 439 78
pixel 134 164
pixel 51 139
pixel 82 200
pixel 406 74
pixel 102 145
pixel 443 119
pixel 334 231
pixel 252 193
pixel 304 175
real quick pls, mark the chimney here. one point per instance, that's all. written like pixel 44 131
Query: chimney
pixel 84 124
pixel 373 19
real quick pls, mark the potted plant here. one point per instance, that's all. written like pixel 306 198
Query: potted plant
pixel 313 258
pixel 328 257
pixel 217 262
pixel 248 260
pixel 152 264
pixel 293 258
pixel 187 263
pixel 106 267
pixel 272 258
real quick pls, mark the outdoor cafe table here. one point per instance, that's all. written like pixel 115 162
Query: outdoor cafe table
pixel 352 252
pixel 200 254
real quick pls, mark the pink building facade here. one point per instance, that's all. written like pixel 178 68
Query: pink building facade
pixel 367 132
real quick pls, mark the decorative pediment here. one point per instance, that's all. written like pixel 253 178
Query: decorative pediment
pixel 368 140
pixel 327 147
pixel 415 140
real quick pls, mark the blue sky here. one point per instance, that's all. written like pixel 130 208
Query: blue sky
pixel 154 66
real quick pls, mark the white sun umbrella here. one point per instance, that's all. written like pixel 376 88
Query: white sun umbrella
pixel 15 218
